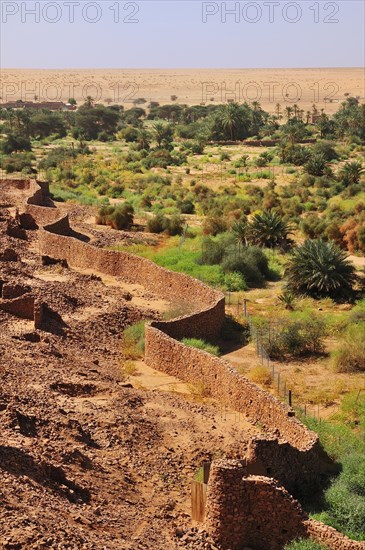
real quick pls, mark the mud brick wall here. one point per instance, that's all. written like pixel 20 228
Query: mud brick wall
pixel 11 291
pixel 9 255
pixel 255 511
pixel 206 304
pixel 22 307
pixel 224 383
pixel 297 469
pixel 330 537
pixel 250 511
pixel 39 207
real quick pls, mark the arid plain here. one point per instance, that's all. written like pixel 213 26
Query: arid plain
pixel 326 87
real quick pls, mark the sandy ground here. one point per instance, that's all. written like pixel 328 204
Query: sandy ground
pixel 325 87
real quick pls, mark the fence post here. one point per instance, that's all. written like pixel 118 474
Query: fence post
pixel 289 398
pixel 279 383
pixel 245 307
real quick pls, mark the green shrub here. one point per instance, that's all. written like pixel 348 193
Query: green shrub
pixel 350 356
pixel 171 225
pixel 118 217
pixel 346 507
pixel 156 224
pixel 213 225
pixel 133 341
pixel 297 338
pixel 174 225
pixel 213 250
pixel 235 282
pixel 250 261
pixel 202 345
pixel 17 162
pixel 344 440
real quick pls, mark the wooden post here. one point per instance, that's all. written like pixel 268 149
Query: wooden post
pixel 198 501
pixel 245 307
pixel 290 398
pixel 206 471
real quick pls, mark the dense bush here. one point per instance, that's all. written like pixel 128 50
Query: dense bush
pixel 347 505
pixel 170 225
pixel 18 162
pixel 297 338
pixel 350 355
pixel 235 281
pixel 14 143
pixel 118 217
pixel 214 224
pixel 57 157
pixel 251 262
pixel 241 264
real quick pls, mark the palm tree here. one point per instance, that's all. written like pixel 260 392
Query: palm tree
pixel 269 230
pixel 10 115
pixel 289 112
pixel 231 117
pixel 351 172
pixel 316 165
pixel 323 124
pixel 293 132
pixel 89 101
pixel 143 139
pixel 240 230
pixel 162 132
pixel 320 269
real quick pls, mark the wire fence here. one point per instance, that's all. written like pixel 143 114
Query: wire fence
pixel 261 334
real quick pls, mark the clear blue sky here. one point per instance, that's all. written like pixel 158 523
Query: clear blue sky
pixel 172 34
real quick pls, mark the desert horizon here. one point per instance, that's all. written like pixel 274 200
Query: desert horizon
pixel 325 87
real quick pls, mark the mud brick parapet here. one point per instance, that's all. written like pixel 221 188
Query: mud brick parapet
pixel 256 512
